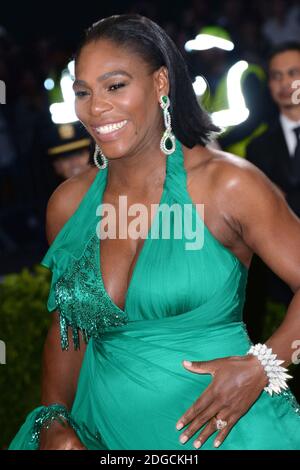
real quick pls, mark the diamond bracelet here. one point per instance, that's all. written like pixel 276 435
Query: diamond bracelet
pixel 276 373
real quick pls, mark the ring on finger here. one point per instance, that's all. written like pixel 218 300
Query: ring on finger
pixel 220 424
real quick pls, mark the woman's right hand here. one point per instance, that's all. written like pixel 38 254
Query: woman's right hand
pixel 59 437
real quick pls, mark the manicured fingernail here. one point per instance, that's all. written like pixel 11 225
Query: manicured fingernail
pixel 183 439
pixel 187 363
pixel 197 444
pixel 217 444
pixel 179 425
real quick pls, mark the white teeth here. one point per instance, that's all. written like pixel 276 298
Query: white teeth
pixel 110 127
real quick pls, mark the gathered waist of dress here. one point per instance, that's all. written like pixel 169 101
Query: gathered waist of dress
pixel 137 343
pixel 152 330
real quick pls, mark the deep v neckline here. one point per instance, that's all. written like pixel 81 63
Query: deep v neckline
pixel 146 240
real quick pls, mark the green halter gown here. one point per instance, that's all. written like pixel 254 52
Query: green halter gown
pixel 182 303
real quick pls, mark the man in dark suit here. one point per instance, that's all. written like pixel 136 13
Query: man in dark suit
pixel 277 151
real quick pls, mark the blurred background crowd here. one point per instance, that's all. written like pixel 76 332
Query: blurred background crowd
pixel 227 46
pixel 35 51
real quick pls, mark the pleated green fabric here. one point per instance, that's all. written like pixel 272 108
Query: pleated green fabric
pixel 185 301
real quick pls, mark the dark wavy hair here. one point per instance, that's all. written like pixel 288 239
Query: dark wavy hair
pixel 190 123
pixel 283 47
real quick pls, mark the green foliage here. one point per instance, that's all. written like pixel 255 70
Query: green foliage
pixel 24 321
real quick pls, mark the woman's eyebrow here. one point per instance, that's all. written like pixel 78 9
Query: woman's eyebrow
pixel 105 76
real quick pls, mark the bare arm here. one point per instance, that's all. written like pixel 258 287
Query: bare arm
pixel 60 374
pixel 60 368
pixel 272 230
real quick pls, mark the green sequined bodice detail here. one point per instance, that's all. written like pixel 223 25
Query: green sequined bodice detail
pixel 81 298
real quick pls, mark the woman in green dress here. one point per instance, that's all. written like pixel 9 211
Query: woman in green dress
pixel 128 310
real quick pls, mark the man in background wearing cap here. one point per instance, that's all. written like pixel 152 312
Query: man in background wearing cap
pixel 69 149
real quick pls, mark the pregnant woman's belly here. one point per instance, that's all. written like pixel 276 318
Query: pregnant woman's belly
pixel 134 388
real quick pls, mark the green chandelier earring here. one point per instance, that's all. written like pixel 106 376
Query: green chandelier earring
pixel 168 141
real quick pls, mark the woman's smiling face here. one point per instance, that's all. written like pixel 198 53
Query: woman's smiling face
pixel 117 97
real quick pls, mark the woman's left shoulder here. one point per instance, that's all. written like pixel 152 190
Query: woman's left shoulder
pixel 239 190
pixel 234 177
pixel 250 201
pixel 253 206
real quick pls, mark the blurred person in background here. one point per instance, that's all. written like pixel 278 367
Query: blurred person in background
pixel 230 16
pixel 277 151
pixel 194 16
pixel 283 23
pixel 69 150
pixel 250 41
pixel 235 91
